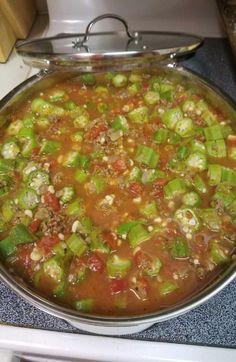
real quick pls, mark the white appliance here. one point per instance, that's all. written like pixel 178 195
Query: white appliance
pixel 199 17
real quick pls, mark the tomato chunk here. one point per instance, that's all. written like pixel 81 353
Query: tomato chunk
pixel 109 239
pixel 95 263
pixel 34 225
pixel 52 201
pixel 118 286
pixel 96 130
pixel 160 182
pixel 119 166
pixel 136 189
pixel 47 243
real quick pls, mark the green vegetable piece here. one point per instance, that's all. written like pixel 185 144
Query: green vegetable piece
pixel 171 117
pixel 214 174
pixel 153 269
pixel 125 228
pixel 7 210
pixel 210 219
pixel 97 244
pixel 52 267
pixel 84 161
pixel 15 127
pixel 134 89
pixel 187 219
pixel 28 199
pixel 135 174
pixel 139 115
pixel 81 176
pixel 174 187
pixel 197 162
pixel 120 123
pixel 167 288
pixel 72 159
pixel 119 80
pixel 147 156
pixel 60 249
pixel 166 92
pixel 88 79
pixel 180 248
pixel 75 208
pixel 10 150
pixel 42 122
pixel 59 291
pixel 58 95
pixel 44 108
pixel 135 78
pixel 184 127
pixel 6 166
pixel 99 183
pixel 117 267
pixel 137 235
pixel 161 136
pixel 84 305
pixel 151 97
pixel 77 245
pixel 101 89
pixel 197 146
pixel 191 199
pixel 77 137
pixel 81 121
pixel 102 107
pixel 188 106
pixel 28 146
pixel 199 184
pixel 231 153
pixel 217 254
pixel 6 183
pixel 216 148
pixel 37 179
pixel 7 247
pixel 228 175
pixel 213 133
pixel 68 193
pixel 149 176
pixel 149 210
pixel 20 234
pixel 121 302
pixel 173 138
pixel 182 152
pixel 49 147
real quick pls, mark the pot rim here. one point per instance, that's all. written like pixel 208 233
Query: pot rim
pixel 216 285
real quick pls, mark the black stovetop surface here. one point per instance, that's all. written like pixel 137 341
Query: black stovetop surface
pixel 210 324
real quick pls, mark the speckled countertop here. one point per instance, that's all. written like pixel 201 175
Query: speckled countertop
pixel 213 323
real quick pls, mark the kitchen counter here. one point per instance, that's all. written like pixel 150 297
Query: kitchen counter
pixel 212 324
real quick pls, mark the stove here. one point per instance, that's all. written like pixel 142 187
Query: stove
pixel 38 336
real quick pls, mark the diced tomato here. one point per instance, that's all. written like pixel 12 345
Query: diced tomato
pixel 23 254
pixel 118 286
pixel 35 153
pixel 96 130
pixel 158 193
pixel 142 260
pixel 95 263
pixel 109 239
pixel 160 182
pixel 136 189
pixel 47 243
pixel 52 201
pixel 34 225
pixel 140 288
pixel 119 166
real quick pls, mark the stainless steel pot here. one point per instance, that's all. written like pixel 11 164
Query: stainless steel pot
pixel 97 323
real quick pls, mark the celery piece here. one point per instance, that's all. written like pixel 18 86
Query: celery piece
pixel 117 267
pixel 214 174
pixel 28 199
pixel 180 248
pixel 84 305
pixel 49 147
pixel 139 115
pixel 10 150
pixel 174 187
pixel 167 288
pixel 184 127
pixel 52 267
pixel 77 245
pixel 120 123
pixel 199 184
pixel 137 235
pixel 171 117
pixel 151 97
pixel 191 199
pixel 187 219
pixel 119 80
pixel 147 156
pixel 88 79
pixel 75 208
pixel 197 162
pixel 217 254
pixel 81 176
pixel 149 210
pixel 68 193
pixel 216 148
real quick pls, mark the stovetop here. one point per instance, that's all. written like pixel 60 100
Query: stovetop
pixel 211 324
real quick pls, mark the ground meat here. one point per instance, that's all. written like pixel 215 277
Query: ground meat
pixel 55 223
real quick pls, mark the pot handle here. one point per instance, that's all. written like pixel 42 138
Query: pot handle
pixel 106 16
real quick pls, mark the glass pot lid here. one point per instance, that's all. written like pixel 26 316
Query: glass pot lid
pixel 96 51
